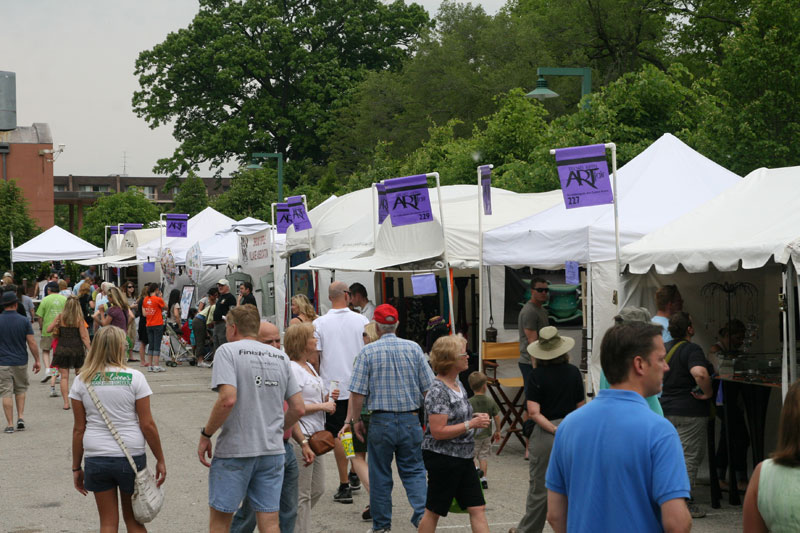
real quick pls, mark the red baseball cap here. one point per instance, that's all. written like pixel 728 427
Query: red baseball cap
pixel 385 314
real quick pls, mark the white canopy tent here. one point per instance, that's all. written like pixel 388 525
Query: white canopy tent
pixel 663 182
pixel 201 226
pixel 55 244
pixel 751 231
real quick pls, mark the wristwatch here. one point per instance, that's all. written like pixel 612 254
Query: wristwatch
pixel 304 441
pixel 466 425
pixel 203 433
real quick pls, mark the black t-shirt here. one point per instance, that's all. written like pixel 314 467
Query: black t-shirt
pixel 557 389
pixel 676 398
pixel 249 299
pixel 224 303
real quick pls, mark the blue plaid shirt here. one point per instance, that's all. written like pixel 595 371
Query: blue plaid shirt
pixel 392 373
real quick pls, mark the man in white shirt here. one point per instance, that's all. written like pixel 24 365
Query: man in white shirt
pixel 360 300
pixel 339 339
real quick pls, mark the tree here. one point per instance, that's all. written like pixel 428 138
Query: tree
pixel 251 194
pixel 18 221
pixel 757 117
pixel 266 75
pixel 130 206
pixel 192 196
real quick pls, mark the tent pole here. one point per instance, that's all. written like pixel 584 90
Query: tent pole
pixel 274 234
pixel 616 207
pixel 480 272
pixel 785 355
pixel 435 175
pixel 589 326
pixel 791 301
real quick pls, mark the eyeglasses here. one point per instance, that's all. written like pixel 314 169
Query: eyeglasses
pixel 275 342
pixel 463 355
pixel 542 289
pixel 348 293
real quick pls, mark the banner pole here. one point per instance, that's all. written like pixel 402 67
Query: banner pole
pixel 435 175
pixel 613 148
pixel 480 271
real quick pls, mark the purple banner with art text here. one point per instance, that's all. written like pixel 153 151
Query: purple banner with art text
pixel 408 200
pixel 177 225
pixel 383 203
pixel 583 172
pixel 486 188
pixel 297 211
pixel 283 218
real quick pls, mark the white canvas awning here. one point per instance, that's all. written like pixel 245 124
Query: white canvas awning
pixel 55 244
pixel 756 220
pixel 106 260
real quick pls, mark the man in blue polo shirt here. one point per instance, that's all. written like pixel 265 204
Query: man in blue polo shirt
pixel 615 464
pixel 15 340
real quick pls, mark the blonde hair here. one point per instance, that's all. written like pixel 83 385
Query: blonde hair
pixel 296 339
pixel 444 353
pixel 62 285
pixel 86 287
pixel 72 314
pixel 116 299
pixel 245 318
pixel 304 306
pixel 109 348
pixel 371 330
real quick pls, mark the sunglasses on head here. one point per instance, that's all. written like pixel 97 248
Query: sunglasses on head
pixel 542 289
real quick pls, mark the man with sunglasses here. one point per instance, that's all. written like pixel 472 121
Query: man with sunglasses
pixel 532 318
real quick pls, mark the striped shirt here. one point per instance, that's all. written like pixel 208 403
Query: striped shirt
pixel 392 373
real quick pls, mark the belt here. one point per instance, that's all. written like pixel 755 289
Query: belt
pixel 379 412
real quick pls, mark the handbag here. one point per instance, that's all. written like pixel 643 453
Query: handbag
pixel 148 498
pixel 321 442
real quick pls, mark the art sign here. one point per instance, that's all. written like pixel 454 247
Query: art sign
pixel 284 219
pixel 583 172
pixel 486 188
pixel 297 212
pixel 194 262
pixel 383 203
pixel 408 200
pixel 177 225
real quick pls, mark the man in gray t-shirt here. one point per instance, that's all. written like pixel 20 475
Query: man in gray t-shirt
pixel 252 381
pixel 532 318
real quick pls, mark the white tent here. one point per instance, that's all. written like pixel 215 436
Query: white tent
pixel 659 185
pixel 753 225
pixel 55 244
pixel 407 245
pixel 201 226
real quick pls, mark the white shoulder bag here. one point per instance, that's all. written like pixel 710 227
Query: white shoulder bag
pixel 148 498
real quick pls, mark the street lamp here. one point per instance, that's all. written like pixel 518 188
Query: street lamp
pixel 541 91
pixel 254 164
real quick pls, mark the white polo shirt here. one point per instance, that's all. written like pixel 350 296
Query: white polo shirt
pixel 339 338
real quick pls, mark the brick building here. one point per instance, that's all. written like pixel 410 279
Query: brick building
pixel 26 157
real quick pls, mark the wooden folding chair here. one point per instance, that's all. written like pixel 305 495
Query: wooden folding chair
pixel 511 409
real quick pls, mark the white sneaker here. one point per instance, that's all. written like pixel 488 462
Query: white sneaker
pixel 160 369
pixel 151 369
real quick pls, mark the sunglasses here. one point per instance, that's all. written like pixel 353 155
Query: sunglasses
pixel 542 289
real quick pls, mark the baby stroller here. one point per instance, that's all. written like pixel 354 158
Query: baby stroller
pixel 177 350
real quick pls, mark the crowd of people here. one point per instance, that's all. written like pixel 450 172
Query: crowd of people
pixel 618 463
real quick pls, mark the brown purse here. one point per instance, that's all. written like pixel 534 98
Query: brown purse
pixel 321 442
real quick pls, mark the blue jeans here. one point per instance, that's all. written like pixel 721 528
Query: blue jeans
pixel 154 334
pixel 244 521
pixel 395 435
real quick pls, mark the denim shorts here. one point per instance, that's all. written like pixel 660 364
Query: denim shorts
pixel 260 478
pixel 105 473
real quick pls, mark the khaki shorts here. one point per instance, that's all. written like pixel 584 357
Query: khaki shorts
pixel 13 380
pixel 483 447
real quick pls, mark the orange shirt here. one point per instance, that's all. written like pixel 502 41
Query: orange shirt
pixel 152 307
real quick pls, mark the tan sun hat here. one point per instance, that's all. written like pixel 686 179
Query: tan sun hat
pixel 550 344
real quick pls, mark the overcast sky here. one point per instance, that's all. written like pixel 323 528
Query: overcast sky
pixel 74 64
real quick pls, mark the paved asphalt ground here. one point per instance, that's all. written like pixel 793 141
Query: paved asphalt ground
pixel 38 496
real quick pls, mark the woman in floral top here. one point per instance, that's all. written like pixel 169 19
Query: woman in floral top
pixel 448 444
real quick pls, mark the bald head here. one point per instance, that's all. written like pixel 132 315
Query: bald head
pixel 268 334
pixel 339 294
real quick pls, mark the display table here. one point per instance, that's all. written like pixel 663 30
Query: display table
pixel 755 390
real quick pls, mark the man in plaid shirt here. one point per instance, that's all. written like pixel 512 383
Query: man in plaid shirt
pixel 393 375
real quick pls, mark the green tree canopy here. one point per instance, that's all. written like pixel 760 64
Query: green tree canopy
pixel 130 206
pixel 251 194
pixel 266 75
pixel 18 221
pixel 192 196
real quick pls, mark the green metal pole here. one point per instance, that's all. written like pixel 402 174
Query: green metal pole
pixel 280 177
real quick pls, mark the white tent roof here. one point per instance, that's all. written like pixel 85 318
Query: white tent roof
pixel 339 223
pixel 754 221
pixel 201 226
pixel 665 181
pixel 403 245
pixel 55 244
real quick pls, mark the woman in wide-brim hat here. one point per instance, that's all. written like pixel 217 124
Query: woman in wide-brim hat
pixel 555 389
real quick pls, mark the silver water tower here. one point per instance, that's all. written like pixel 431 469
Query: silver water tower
pixel 8 101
